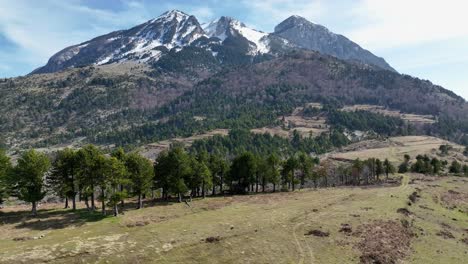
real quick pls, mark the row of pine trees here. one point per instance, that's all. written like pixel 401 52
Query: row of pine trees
pixel 89 175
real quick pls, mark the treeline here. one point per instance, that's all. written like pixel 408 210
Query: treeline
pixel 89 175
pixel 432 166
pixel 239 141
pixel 361 120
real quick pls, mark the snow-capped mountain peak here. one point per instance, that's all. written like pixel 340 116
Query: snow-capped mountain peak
pixel 225 27
pixel 226 38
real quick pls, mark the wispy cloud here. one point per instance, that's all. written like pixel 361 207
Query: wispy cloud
pixel 41 28
pixel 390 24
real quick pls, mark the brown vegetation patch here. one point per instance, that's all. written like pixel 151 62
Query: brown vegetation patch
pixel 138 223
pixel 453 199
pixel 414 197
pixel 346 228
pixel 22 238
pixel 445 234
pixel 317 233
pixel 383 242
pixel 403 211
pixel 212 239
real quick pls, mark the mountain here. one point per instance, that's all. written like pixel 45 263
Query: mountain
pixel 143 43
pixel 131 104
pixel 229 41
pixel 304 34
pixel 226 28
pixel 174 77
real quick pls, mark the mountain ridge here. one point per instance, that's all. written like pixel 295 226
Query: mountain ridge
pixel 176 30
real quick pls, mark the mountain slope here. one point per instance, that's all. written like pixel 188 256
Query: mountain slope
pixel 143 43
pixel 257 95
pixel 130 104
pixel 226 27
pixel 304 34
pixel 229 41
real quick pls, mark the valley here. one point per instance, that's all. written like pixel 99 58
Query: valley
pixel 178 140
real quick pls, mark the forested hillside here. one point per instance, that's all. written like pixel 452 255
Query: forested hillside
pixel 130 104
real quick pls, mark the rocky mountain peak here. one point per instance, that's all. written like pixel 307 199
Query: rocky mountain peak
pixel 174 29
pixel 307 35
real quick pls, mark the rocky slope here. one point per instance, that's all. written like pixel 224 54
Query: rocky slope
pixel 229 41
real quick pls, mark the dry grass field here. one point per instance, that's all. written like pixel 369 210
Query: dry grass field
pixel 396 147
pixel 412 118
pixel 335 225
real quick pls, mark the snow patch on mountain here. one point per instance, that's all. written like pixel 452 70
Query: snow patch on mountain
pixel 225 27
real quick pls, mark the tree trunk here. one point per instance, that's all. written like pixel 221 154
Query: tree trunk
pixel 221 185
pixel 93 206
pixel 213 191
pixel 103 202
pixel 274 187
pixel 203 189
pixel 34 208
pixel 66 203
pixel 116 209
pixel 140 201
pixel 263 184
pixel 256 183
pixel 74 202
pixel 122 203
pixel 87 203
pixel 180 197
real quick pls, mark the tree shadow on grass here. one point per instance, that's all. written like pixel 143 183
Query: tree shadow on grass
pixel 50 219
pixel 62 218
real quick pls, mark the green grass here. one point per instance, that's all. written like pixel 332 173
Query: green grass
pixel 265 228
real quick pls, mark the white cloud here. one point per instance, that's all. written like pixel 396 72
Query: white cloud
pixel 41 28
pixel 203 14
pixel 389 24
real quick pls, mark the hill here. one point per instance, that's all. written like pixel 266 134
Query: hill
pixel 135 103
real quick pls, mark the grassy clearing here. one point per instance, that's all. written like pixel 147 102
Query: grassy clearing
pixel 265 228
pixel 396 147
pixel 412 118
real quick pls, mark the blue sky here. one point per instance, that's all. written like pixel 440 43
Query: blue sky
pixel 424 38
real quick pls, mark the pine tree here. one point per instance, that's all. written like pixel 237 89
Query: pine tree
pixel 378 168
pixel 389 169
pixel 306 165
pixel 116 173
pixel 63 176
pixel 243 170
pixel 5 169
pixel 140 172
pixel 88 174
pixel 28 177
pixel 273 175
